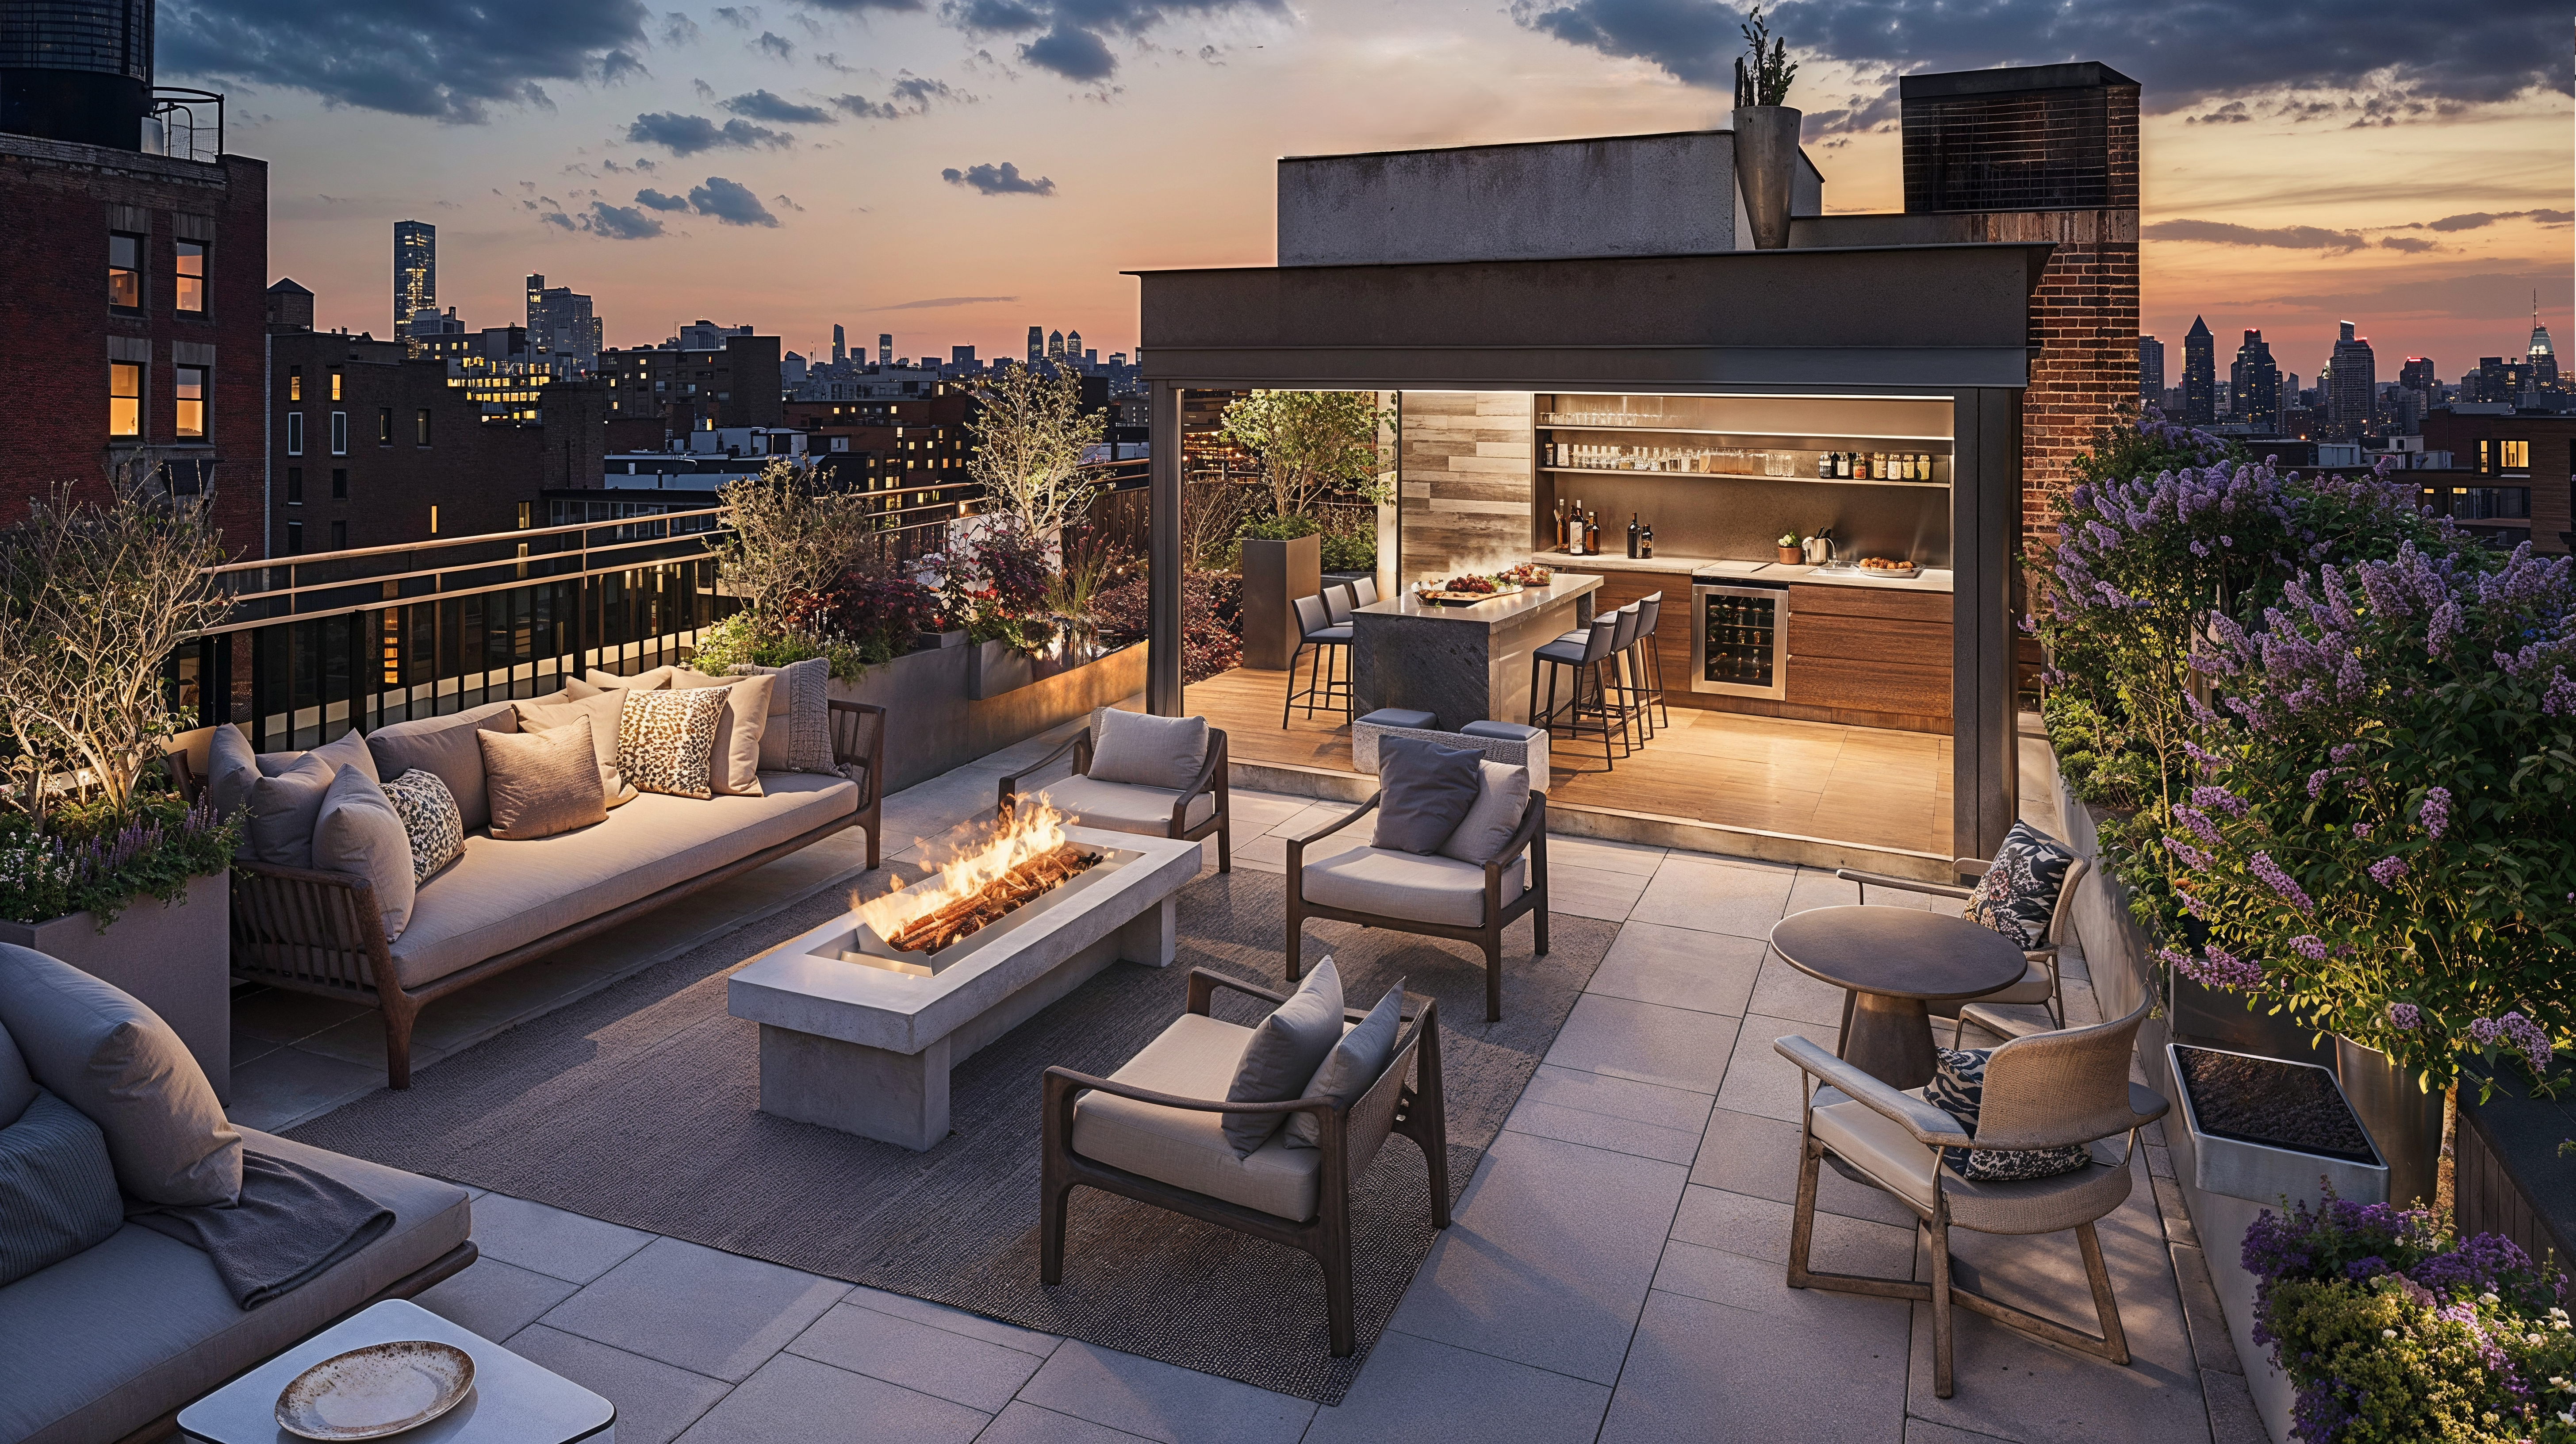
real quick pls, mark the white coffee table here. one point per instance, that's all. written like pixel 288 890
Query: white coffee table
pixel 514 1401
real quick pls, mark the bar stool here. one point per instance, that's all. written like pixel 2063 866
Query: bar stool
pixel 1337 603
pixel 1316 628
pixel 1598 645
pixel 1628 680
pixel 1364 592
pixel 1650 610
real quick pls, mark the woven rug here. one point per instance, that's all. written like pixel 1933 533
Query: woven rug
pixel 640 1105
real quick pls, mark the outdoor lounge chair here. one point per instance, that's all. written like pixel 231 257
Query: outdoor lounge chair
pixel 1202 808
pixel 2047 1090
pixel 1154 1131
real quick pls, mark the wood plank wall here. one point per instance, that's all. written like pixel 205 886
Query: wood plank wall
pixel 2487 1198
pixel 1464 459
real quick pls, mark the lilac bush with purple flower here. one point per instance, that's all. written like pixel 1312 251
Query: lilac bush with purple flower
pixel 92 858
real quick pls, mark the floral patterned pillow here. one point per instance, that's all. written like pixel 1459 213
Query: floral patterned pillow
pixel 1958 1088
pixel 430 819
pixel 2018 895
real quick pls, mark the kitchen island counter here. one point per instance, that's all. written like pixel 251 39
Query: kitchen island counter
pixel 1461 664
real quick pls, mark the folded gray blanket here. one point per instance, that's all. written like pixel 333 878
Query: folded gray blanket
pixel 289 1225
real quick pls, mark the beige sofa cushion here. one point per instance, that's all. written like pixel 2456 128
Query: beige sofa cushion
pixel 653 680
pixel 602 709
pixel 502 894
pixel 736 772
pixel 1121 806
pixel 1876 1145
pixel 446 746
pixel 543 783
pixel 1194 1058
pixel 1423 888
pixel 110 1339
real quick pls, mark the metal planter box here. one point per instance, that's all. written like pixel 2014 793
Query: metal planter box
pixel 2267 1173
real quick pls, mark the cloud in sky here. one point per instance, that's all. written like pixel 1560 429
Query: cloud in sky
pixel 1072 36
pixel 730 202
pixel 690 134
pixel 740 17
pixel 1001 180
pixel 2479 220
pixel 1072 52
pixel 777 45
pixel 761 105
pixel 2397 65
pixel 620 223
pixel 910 95
pixel 937 303
pixel 659 201
pixel 677 29
pixel 449 62
pixel 2288 238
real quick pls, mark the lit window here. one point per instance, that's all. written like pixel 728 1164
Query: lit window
pixel 125 272
pixel 335 383
pixel 339 430
pixel 421 428
pixel 190 294
pixel 294 383
pixel 295 433
pixel 190 413
pixel 2517 455
pixel 433 520
pixel 384 426
pixel 523 516
pixel 124 398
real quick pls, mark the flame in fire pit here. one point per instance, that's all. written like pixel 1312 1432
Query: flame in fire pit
pixel 1020 862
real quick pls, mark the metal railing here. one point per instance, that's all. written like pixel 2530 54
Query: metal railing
pixel 185 124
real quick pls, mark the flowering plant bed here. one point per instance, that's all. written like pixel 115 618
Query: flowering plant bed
pixel 96 862
pixel 2394 1332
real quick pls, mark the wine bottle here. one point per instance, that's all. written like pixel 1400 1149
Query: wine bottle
pixel 1591 534
pixel 1646 543
pixel 1632 536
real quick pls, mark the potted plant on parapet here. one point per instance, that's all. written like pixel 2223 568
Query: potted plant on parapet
pixel 1766 133
pixel 1307 442
pixel 102 864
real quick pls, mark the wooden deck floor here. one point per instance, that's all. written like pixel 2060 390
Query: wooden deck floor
pixel 1813 779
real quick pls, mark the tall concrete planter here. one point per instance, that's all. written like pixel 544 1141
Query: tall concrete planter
pixel 1766 158
pixel 174 958
pixel 1275 575
pixel 934 723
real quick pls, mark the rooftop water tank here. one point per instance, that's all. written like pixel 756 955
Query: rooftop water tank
pixel 76 70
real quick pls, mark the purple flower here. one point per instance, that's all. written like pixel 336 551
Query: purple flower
pixel 2281 883
pixel 2199 822
pixel 2405 1017
pixel 2387 871
pixel 2485 1031
pixel 2220 969
pixel 2435 813
pixel 2309 946
pixel 2361 830
pixel 2218 799
pixel 2186 854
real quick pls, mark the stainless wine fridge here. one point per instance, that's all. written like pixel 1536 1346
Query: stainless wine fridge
pixel 1740 638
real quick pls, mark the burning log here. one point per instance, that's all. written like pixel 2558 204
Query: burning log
pixel 1023 884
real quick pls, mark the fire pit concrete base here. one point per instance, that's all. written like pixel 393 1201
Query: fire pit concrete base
pixel 855 1044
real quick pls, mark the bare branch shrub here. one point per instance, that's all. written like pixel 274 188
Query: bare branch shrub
pixel 791 537
pixel 1029 445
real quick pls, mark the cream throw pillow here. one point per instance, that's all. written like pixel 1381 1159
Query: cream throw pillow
pixel 601 709
pixel 666 741
pixel 542 783
pixel 799 735
pixel 654 680
pixel 746 716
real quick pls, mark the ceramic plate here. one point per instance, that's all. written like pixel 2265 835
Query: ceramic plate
pixel 375 1391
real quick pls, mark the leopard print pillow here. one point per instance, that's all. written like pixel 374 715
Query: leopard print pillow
pixel 666 741
pixel 430 819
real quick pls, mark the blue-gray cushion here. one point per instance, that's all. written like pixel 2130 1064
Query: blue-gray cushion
pixel 1284 1053
pixel 17 1085
pixel 1353 1066
pixel 57 1188
pixel 1148 751
pixel 1426 790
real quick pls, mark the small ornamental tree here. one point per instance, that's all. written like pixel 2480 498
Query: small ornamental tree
pixel 791 536
pixel 2379 835
pixel 1308 442
pixel 1029 443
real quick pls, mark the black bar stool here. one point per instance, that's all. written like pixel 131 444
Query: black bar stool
pixel 1649 662
pixel 1316 628
pixel 1597 646
pixel 1338 603
pixel 1364 592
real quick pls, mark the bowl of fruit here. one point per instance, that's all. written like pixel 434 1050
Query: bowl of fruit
pixel 1528 574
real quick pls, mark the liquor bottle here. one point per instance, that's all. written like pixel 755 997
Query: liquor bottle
pixel 1574 528
pixel 1860 466
pixel 1842 466
pixel 1591 534
pixel 1632 536
pixel 1556 527
pixel 1646 543
pixel 1824 463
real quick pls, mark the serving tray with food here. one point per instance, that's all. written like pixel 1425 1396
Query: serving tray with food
pixel 1467 591
pixel 1892 569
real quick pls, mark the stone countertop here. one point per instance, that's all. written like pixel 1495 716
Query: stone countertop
pixel 1711 569
pixel 1498 612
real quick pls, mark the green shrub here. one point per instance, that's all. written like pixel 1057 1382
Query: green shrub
pixel 94 858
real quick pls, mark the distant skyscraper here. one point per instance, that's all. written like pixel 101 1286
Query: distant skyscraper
pixel 415 270
pixel 2199 374
pixel 885 348
pixel 1055 346
pixel 2254 384
pixel 962 357
pixel 2543 356
pixel 1037 344
pixel 840 351
pixel 2352 384
pixel 2417 375
pixel 1073 345
pixel 2151 370
pixel 561 325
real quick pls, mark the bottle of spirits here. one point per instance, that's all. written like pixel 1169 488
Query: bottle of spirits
pixel 1824 463
pixel 1591 534
pixel 1646 542
pixel 1842 466
pixel 1574 528
pixel 1632 536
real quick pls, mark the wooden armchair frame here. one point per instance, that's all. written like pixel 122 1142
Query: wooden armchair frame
pixel 1210 782
pixel 2059 920
pixel 320 932
pixel 1531 836
pixel 1349 1134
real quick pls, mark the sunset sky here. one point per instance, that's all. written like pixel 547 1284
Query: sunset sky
pixel 954 171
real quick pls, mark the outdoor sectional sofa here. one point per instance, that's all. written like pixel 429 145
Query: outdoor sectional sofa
pixel 502 904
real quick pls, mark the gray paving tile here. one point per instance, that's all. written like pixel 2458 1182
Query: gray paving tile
pixel 2233 1416
pixel 932 1361
pixel 1590 892
pixel 284 1016
pixel 550 1240
pixel 494 1299
pixel 708 1312
pixel 1759 1228
pixel 794 1400
pixel 279 1089
pixel 1747 1153
pixel 1422 1391
pixel 1026 1423
pixel 1924 1431
pixel 955 1321
pixel 1550 1256
pixel 1742 1282
pixel 1784 992
pixel 1258 812
pixel 1680 968
pixel 247 1046
pixel 1817 887
pixel 1619 1114
pixel 1759 1080
pixel 1740 898
pixel 1701 1370
pixel 655 1401
pixel 1162 1401
pixel 1673 1047
pixel 1595 852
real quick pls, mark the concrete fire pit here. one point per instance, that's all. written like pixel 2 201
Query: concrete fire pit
pixel 855 1039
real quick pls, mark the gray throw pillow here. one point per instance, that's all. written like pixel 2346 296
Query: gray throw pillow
pixel 115 1061
pixel 359 831
pixel 1426 791
pixel 231 767
pixel 57 1188
pixel 799 735
pixel 17 1085
pixel 446 746
pixel 1284 1052
pixel 1502 796
pixel 1353 1065
pixel 543 783
pixel 1146 750
pixel 282 812
pixel 602 708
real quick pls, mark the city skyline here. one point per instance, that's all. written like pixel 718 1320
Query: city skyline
pixel 812 164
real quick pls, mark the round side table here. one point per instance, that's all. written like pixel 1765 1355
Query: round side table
pixel 1893 961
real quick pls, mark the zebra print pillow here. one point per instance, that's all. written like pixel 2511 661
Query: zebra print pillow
pixel 430 819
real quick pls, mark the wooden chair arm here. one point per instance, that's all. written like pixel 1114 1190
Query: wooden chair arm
pixel 1533 822
pixel 1320 1103
pixel 1353 816
pixel 1203 986
pixel 1079 744
pixel 1211 778
pixel 872 717
pixel 1868 880
pixel 1929 1124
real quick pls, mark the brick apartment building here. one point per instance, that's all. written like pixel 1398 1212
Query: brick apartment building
pixel 687 389
pixel 371 448
pixel 2512 473
pixel 133 317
